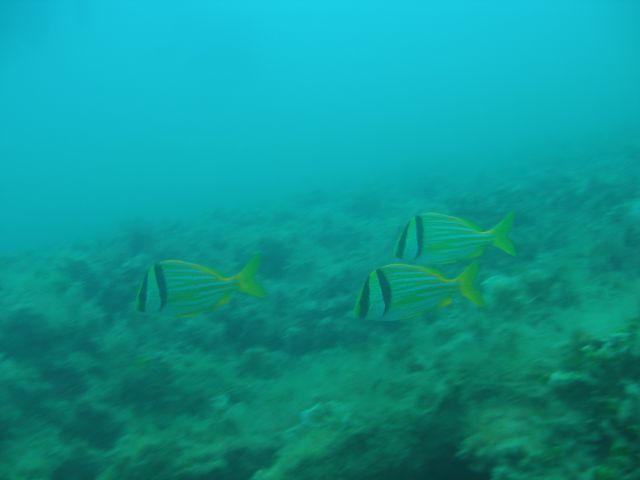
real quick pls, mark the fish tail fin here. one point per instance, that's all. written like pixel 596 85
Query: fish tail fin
pixel 247 281
pixel 466 279
pixel 501 235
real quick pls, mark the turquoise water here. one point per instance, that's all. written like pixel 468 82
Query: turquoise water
pixel 112 109
pixel 134 132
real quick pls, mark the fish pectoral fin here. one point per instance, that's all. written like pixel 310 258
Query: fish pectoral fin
pixel 223 301
pixel 445 302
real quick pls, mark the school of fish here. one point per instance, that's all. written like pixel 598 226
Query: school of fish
pixel 399 291
pixel 391 292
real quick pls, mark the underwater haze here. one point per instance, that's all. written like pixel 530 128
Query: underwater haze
pixel 347 240
pixel 114 110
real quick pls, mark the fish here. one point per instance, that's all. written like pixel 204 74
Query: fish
pixel 401 291
pixel 435 238
pixel 186 289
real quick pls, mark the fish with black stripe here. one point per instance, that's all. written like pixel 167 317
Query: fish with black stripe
pixel 435 238
pixel 399 291
pixel 186 289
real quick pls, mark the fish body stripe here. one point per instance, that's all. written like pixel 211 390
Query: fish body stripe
pixel 420 289
pixel 200 304
pixel 448 234
pixel 402 291
pixel 183 278
pixel 385 289
pixel 199 286
pixel 183 288
pixel 443 235
pixel 142 296
pixel 191 270
pixel 458 241
pixel 441 223
pixel 162 285
pixel 451 230
pixel 186 275
pixel 197 296
pixel 422 294
pixel 402 242
pixel 449 220
pixel 413 297
pixel 418 307
pixel 363 305
pixel 190 276
pixel 424 281
pixel 192 286
pixel 419 235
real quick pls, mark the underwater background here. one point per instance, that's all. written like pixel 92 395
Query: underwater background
pixel 310 132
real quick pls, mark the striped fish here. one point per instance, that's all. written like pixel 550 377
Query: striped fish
pixel 437 239
pixel 399 291
pixel 185 289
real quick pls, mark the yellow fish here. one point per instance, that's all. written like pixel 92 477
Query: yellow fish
pixel 436 238
pixel 186 289
pixel 399 291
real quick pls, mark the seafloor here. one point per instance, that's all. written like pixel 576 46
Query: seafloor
pixel 542 383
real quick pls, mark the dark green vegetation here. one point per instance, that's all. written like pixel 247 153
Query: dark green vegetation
pixel 543 383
